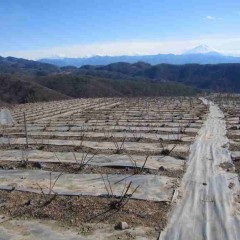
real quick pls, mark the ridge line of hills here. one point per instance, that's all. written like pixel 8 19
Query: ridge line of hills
pixel 24 80
pixel 207 58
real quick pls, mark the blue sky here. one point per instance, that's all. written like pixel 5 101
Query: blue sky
pixel 39 28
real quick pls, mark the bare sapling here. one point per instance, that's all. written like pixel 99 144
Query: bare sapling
pixel 70 124
pixel 136 168
pixel 81 138
pixel 181 130
pixel 165 150
pixel 107 132
pixel 119 146
pixel 137 136
pixel 85 159
pixel 48 192
pixel 24 160
pixel 48 124
pixel 57 157
pixel 117 203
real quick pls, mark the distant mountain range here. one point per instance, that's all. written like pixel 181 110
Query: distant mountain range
pixel 24 80
pixel 202 54
pixel 213 77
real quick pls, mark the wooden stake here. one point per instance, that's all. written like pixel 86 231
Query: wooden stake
pixel 25 127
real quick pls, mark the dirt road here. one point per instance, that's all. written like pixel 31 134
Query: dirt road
pixel 208 205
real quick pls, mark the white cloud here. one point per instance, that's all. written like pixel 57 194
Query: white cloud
pixel 212 18
pixel 225 45
pixel 209 18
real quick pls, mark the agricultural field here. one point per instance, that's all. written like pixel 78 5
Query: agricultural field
pixel 108 168
pixel 230 105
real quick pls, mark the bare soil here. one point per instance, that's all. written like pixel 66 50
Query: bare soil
pixel 234 147
pixel 104 139
pixel 237 166
pixel 55 148
pixel 76 211
pixel 229 167
pixel 88 169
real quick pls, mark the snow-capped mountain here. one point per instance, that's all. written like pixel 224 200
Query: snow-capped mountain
pixel 201 54
pixel 202 49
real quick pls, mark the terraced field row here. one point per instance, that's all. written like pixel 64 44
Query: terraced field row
pixel 98 160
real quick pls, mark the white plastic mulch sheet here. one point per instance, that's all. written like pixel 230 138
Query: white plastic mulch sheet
pixel 131 146
pixel 6 117
pixel 210 203
pixel 153 162
pixel 151 187
pixel 236 154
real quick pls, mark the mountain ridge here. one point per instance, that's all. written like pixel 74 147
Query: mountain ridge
pixel 23 81
pixel 208 58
